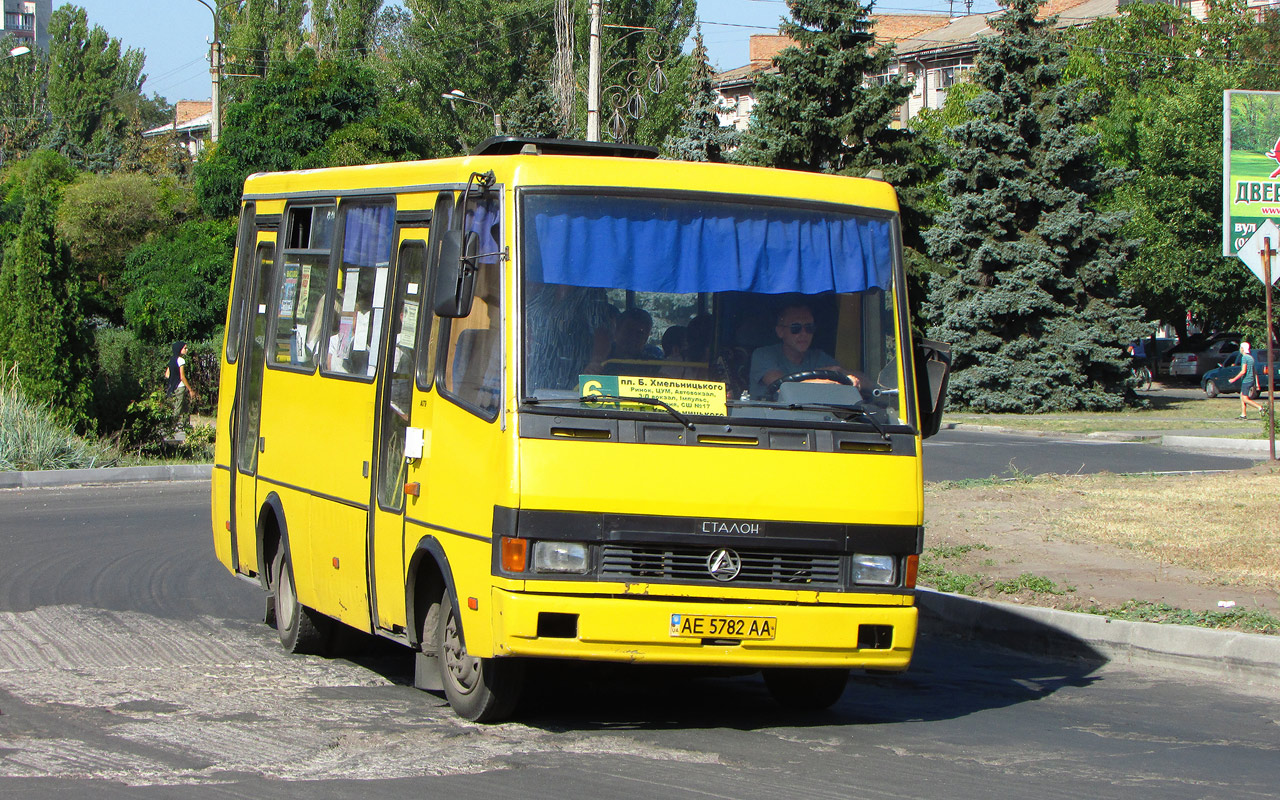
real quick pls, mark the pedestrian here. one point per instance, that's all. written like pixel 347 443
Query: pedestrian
pixel 177 388
pixel 1248 378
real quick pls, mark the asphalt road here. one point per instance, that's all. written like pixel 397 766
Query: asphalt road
pixel 132 666
pixel 960 455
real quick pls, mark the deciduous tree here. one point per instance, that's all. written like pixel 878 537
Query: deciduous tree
pixel 93 83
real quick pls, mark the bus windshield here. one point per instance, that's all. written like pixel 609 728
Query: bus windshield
pixel 714 307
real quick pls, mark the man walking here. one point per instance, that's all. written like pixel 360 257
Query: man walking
pixel 1249 384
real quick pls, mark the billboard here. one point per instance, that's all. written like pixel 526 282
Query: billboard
pixel 1250 164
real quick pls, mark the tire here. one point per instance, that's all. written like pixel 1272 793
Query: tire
pixel 478 689
pixel 303 630
pixel 806 689
pixel 1211 389
pixel 1142 376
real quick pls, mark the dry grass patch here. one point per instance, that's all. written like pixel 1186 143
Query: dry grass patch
pixel 1225 525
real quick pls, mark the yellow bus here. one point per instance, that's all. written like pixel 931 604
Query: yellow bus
pixel 563 400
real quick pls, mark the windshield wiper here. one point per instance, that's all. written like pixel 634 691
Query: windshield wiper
pixel 615 398
pixel 857 409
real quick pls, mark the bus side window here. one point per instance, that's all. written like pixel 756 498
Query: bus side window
pixel 300 312
pixel 359 290
pixel 248 235
pixel 473 365
pixel 441 217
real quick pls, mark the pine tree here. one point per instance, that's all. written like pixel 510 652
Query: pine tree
pixel 1033 309
pixel 701 138
pixel 41 327
pixel 819 112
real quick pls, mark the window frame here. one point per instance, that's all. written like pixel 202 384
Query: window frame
pixel 282 252
pixel 246 248
pixel 446 324
pixel 339 239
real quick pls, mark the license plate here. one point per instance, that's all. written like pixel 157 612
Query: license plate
pixel 700 627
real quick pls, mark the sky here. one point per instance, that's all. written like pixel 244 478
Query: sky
pixel 175 33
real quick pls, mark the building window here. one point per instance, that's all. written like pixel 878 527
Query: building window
pixel 19 22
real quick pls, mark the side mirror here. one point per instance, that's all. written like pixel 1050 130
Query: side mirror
pixel 455 274
pixel 932 371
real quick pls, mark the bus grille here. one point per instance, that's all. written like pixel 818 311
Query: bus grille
pixel 689 564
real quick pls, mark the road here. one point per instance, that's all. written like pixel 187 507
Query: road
pixel 133 666
pixel 960 455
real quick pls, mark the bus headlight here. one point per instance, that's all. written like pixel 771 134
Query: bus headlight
pixel 873 570
pixel 560 557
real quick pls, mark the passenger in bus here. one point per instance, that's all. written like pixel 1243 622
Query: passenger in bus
pixel 631 344
pixel 793 354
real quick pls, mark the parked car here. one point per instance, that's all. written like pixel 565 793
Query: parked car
pixel 1218 380
pixel 1197 355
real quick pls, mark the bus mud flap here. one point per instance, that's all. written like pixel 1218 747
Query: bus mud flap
pixel 426 672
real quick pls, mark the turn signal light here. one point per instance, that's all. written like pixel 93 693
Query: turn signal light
pixel 913 567
pixel 515 554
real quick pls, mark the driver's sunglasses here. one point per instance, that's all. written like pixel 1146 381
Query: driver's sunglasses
pixel 796 327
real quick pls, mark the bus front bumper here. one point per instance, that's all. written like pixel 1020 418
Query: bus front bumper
pixel 667 631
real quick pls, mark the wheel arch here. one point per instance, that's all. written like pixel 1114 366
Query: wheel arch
pixel 429 578
pixel 273 533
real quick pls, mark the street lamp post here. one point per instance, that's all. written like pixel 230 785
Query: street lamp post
pixel 215 75
pixel 457 94
pixel 20 50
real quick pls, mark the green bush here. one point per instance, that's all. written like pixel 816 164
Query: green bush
pixel 31 437
pixel 148 421
pixel 125 369
pixel 177 282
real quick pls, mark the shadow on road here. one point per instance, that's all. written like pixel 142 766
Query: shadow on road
pixel 949 678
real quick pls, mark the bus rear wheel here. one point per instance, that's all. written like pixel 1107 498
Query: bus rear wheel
pixel 478 689
pixel 302 630
pixel 806 689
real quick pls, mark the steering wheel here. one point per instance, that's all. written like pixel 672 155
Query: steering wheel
pixel 771 391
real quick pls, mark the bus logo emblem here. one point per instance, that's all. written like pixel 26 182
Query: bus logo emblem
pixel 724 564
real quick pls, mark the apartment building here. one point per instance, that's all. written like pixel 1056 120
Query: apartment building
pixel 28 21
pixel 931 52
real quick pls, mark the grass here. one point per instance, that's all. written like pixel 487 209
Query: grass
pixel 1223 527
pixel 934 573
pixel 31 437
pixel 1163 413
pixel 1246 620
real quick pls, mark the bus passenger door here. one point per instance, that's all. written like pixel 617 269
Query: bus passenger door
pixel 244 425
pixel 400 420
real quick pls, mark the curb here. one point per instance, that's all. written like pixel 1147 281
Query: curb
pixel 44 478
pixel 1260 448
pixel 1248 657
pixel 1256 447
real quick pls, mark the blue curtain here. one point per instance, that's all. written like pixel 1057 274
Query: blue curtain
pixel 662 245
pixel 367 235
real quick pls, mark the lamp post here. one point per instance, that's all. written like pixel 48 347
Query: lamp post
pixel 457 94
pixel 20 50
pixel 215 75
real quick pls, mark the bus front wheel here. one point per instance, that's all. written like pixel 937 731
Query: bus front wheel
pixel 478 689
pixel 302 630
pixel 806 689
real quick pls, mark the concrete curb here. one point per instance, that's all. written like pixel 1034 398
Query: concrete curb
pixel 1247 657
pixel 1258 447
pixel 74 477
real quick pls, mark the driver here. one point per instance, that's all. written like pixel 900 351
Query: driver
pixel 793 354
